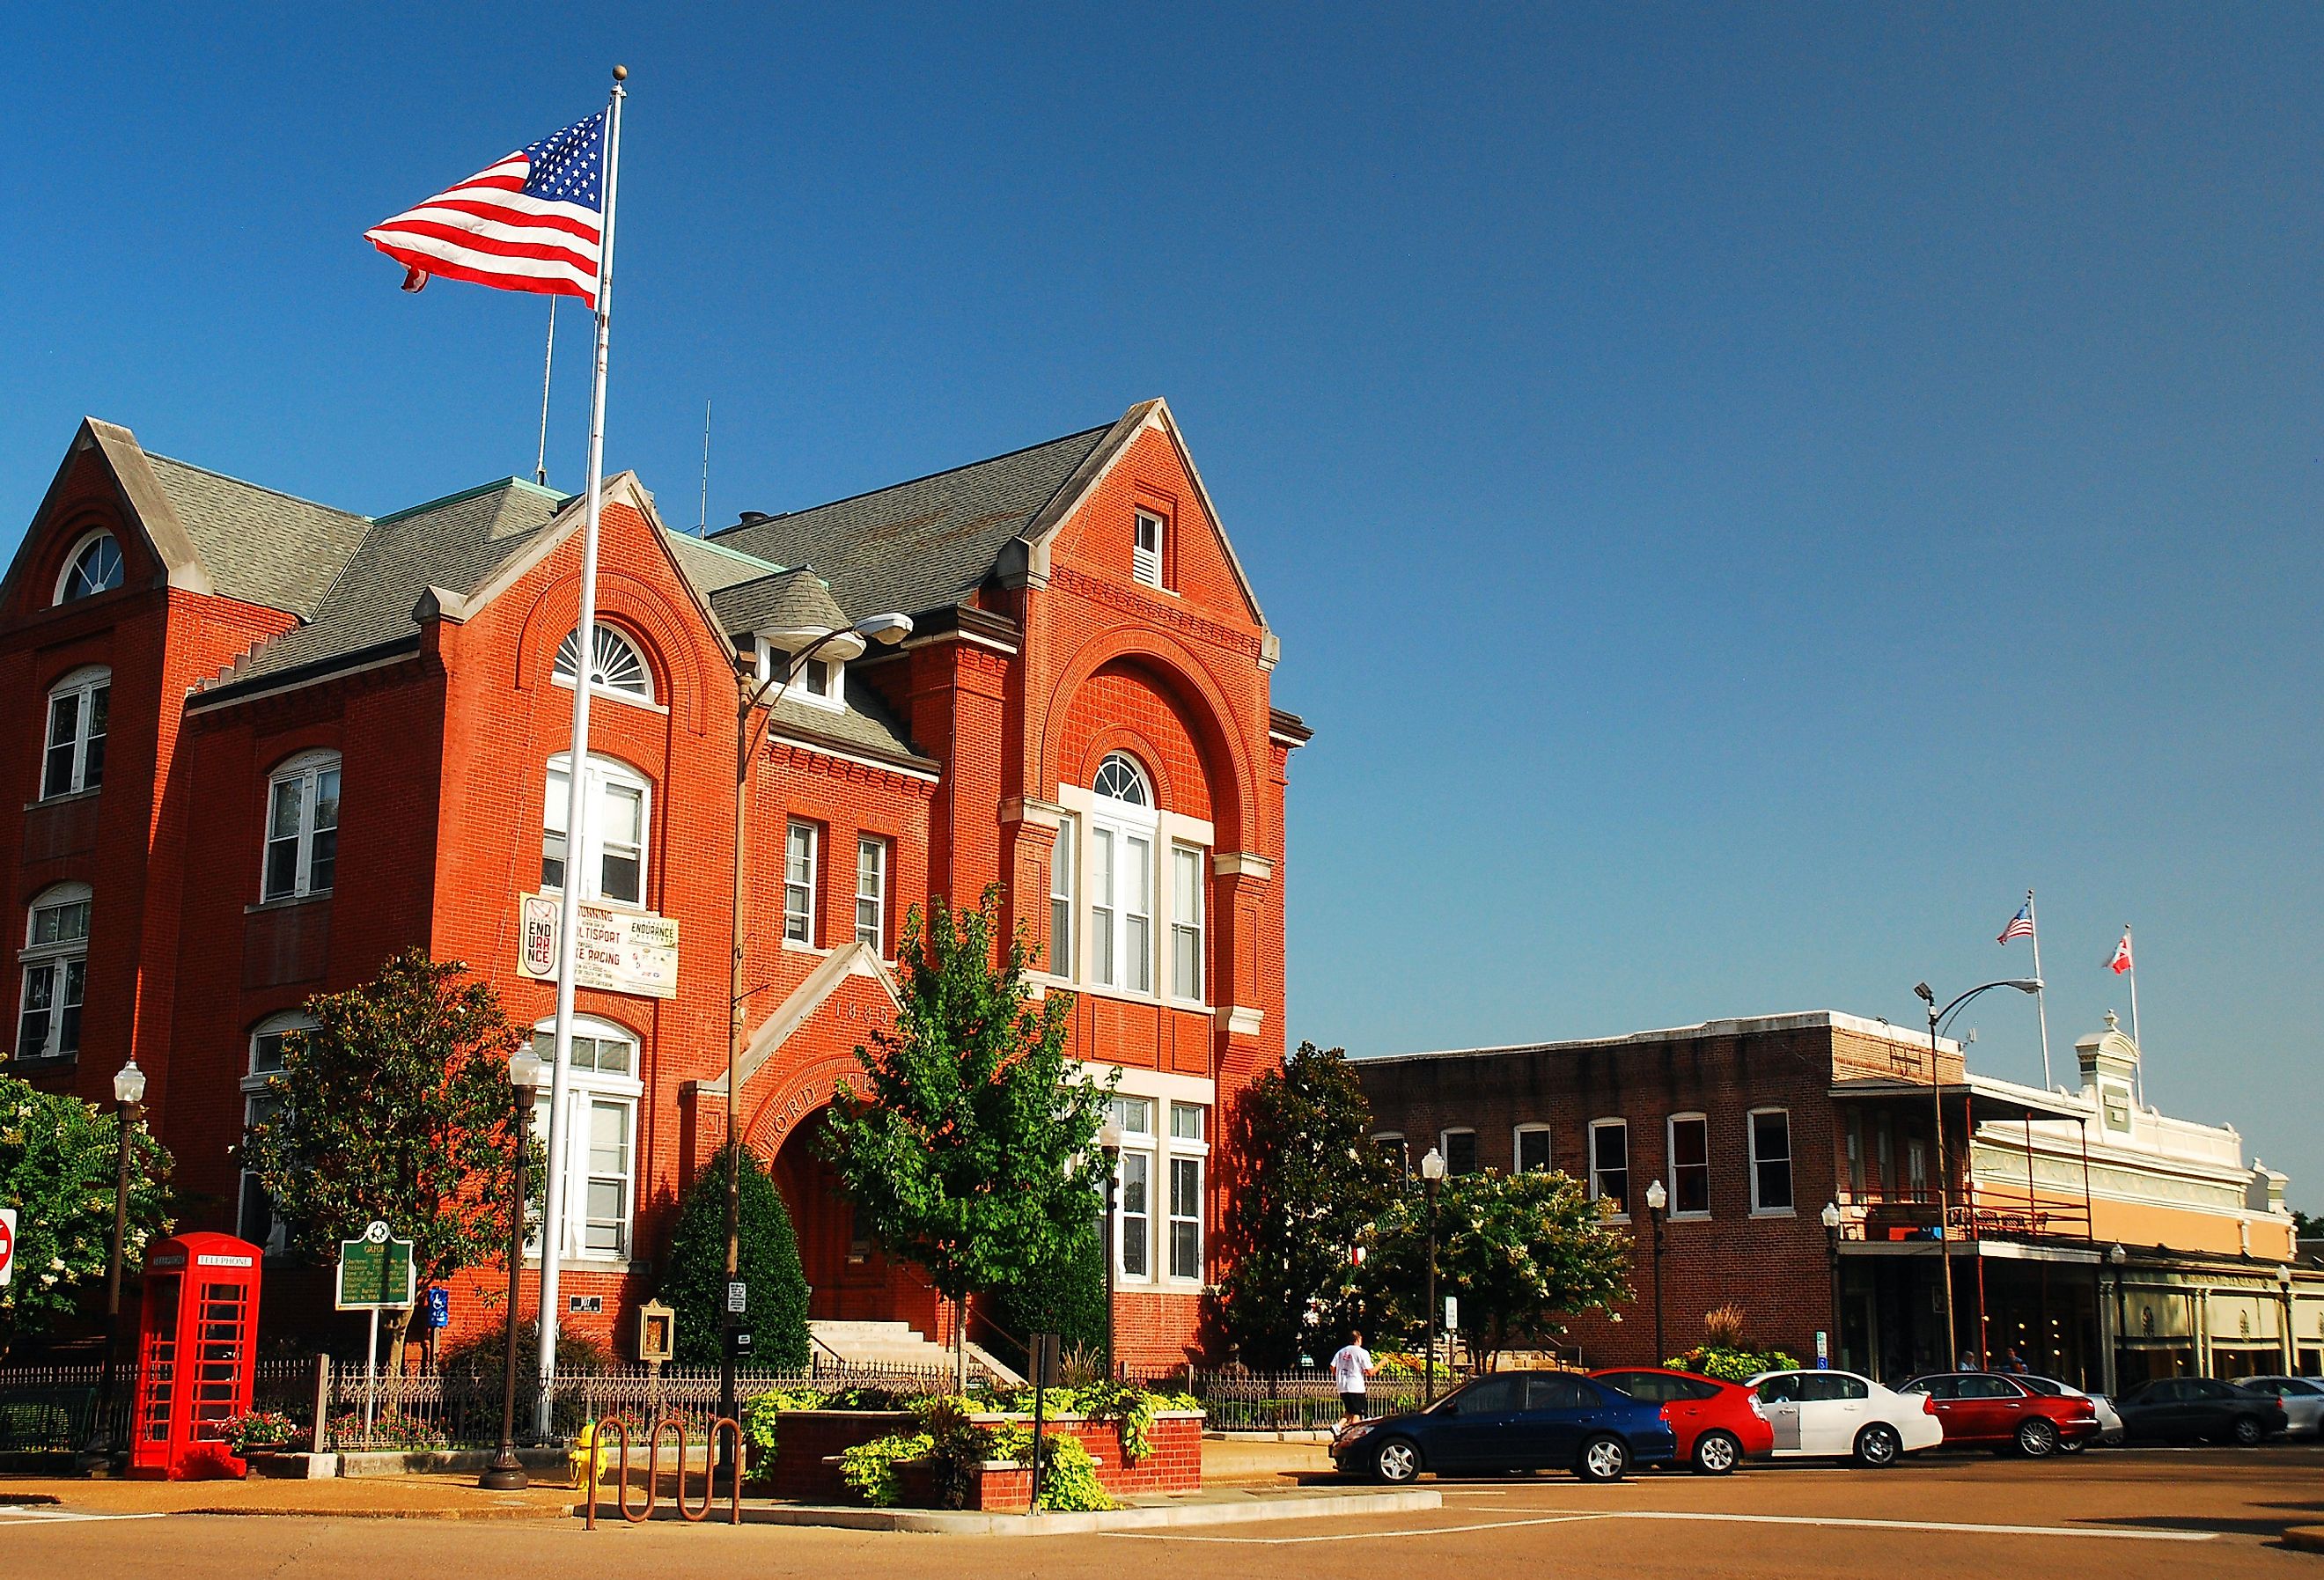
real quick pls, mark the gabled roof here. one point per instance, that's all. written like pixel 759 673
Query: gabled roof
pixel 790 600
pixel 925 544
pixel 456 542
pixel 259 545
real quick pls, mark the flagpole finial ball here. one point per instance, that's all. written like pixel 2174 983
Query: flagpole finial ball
pixel 621 73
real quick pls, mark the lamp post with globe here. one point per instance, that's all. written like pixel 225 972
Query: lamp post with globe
pixel 525 1071
pixel 1432 1176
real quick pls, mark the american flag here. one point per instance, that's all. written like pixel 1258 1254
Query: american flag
pixel 533 222
pixel 2021 926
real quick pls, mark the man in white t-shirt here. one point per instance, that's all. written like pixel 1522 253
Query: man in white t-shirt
pixel 1349 1367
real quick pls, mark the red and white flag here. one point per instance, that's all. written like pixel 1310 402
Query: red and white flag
pixel 2121 961
pixel 533 222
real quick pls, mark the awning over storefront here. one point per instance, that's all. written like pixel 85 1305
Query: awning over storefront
pixel 1988 1099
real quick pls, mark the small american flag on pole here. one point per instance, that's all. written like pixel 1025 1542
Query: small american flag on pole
pixel 533 222
pixel 2021 926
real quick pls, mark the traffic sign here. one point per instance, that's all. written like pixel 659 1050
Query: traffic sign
pixel 7 1244
pixel 375 1271
pixel 440 1306
pixel 1451 1314
pixel 738 1297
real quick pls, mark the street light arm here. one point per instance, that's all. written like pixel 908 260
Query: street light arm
pixel 2022 984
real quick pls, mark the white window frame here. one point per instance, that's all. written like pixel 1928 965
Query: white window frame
pixel 876 849
pixel 1790 1162
pixel 800 898
pixel 1187 931
pixel 1380 1139
pixel 1121 911
pixel 51 962
pixel 88 541
pixel 606 637
pixel 1517 1147
pixel 1182 1163
pixel 799 679
pixel 303 777
pixel 1671 1165
pixel 1146 563
pixel 584 1089
pixel 254 1098
pixel 1062 856
pixel 1598 1173
pixel 1444 1146
pixel 1149 1119
pixel 604 774
pixel 82 688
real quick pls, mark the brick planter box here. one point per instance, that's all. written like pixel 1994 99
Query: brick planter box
pixel 807 1445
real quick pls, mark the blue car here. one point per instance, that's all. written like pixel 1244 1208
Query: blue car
pixel 1512 1421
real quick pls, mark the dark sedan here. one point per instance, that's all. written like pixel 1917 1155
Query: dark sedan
pixel 1513 1421
pixel 2183 1410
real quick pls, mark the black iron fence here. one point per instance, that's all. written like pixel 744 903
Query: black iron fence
pixel 1246 1401
pixel 53 1409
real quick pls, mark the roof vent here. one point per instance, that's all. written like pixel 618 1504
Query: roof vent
pixel 751 518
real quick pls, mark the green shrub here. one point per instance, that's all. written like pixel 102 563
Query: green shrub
pixel 478 1355
pixel 759 1416
pixel 694 1283
pixel 870 1468
pixel 1730 1366
pixel 1063 1293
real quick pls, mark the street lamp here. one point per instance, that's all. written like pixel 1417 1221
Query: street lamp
pixel 2117 1255
pixel 1920 990
pixel 1432 1175
pixel 525 1072
pixel 1830 1218
pixel 1657 1199
pixel 129 1093
pixel 755 696
pixel 1109 1141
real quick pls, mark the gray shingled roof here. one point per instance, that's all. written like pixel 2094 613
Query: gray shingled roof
pixel 455 542
pixel 865 727
pixel 713 567
pixel 927 544
pixel 258 545
pixel 794 600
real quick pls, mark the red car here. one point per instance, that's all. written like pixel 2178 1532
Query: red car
pixel 1718 1424
pixel 2000 1412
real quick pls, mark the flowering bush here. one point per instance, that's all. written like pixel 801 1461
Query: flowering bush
pixel 258 1429
pixel 58 1157
pixel 388 1429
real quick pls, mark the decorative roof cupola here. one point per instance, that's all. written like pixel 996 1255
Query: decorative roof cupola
pixel 2109 1061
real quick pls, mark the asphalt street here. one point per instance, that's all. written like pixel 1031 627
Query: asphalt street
pixel 2185 1514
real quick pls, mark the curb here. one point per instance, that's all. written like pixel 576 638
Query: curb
pixel 1149 1517
pixel 2306 1538
pixel 529 1511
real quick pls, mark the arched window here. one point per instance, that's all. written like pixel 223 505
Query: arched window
pixel 1119 779
pixel 614 664
pixel 1121 876
pixel 257 1222
pixel 94 567
pixel 302 827
pixel 56 968
pixel 600 1134
pixel 72 756
pixel 614 864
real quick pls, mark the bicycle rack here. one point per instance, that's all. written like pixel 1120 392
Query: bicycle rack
pixel 674 1427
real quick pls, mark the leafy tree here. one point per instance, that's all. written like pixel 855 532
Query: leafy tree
pixel 396 1105
pixel 1313 1183
pixel 2304 1228
pixel 694 1285
pixel 1063 1293
pixel 969 1151
pixel 59 1158
pixel 1521 1250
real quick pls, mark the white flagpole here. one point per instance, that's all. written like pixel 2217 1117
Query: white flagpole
pixel 2141 1077
pixel 2041 1009
pixel 548 364
pixel 576 776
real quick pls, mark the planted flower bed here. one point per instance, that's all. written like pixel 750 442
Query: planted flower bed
pixel 1098 1442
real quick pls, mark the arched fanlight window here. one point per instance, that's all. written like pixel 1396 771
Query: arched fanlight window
pixel 613 664
pixel 1119 779
pixel 94 568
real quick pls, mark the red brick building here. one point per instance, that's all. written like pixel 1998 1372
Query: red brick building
pixel 265 743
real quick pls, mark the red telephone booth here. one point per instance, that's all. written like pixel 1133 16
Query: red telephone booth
pixel 197 1349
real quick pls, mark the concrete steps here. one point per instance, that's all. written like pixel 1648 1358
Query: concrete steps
pixel 899 1346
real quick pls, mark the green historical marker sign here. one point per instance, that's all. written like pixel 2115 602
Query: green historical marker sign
pixel 375 1271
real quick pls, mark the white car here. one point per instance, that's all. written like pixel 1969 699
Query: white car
pixel 2303 1398
pixel 2109 1419
pixel 1839 1415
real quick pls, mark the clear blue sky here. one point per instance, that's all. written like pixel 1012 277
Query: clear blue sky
pixel 1743 493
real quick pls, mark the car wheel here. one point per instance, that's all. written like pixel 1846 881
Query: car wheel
pixel 1397 1462
pixel 1877 1447
pixel 1716 1453
pixel 2246 1432
pixel 2037 1438
pixel 1602 1459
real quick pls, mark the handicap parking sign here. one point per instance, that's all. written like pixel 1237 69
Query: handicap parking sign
pixel 440 1306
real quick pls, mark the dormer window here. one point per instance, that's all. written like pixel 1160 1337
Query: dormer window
pixel 94 568
pixel 817 682
pixel 1146 549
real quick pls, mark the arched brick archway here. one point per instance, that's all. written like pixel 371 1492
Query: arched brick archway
pixel 1236 804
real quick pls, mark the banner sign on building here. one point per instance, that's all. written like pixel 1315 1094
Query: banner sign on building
pixel 619 951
